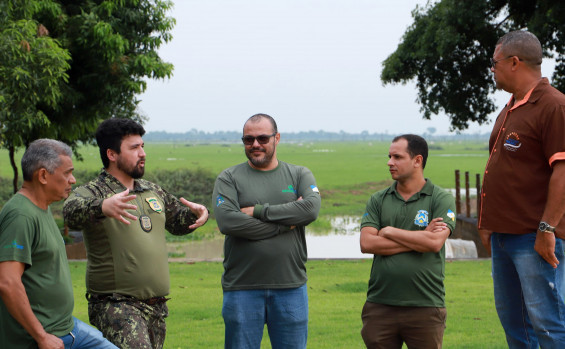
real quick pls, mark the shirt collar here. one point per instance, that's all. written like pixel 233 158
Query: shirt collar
pixel 117 186
pixel 427 189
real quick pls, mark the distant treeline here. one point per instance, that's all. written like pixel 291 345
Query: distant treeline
pixel 310 136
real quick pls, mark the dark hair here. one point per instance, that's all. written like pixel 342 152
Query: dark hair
pixel 43 153
pixel 522 44
pixel 110 134
pixel 416 146
pixel 258 117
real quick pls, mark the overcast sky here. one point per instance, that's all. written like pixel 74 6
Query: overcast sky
pixel 311 64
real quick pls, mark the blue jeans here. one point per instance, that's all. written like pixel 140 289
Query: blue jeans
pixel 84 336
pixel 285 311
pixel 528 292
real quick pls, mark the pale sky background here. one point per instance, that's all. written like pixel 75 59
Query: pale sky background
pixel 311 64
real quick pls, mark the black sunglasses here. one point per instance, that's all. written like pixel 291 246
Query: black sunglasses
pixel 262 139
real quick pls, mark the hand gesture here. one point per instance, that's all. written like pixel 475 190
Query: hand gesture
pixel 545 247
pixel 199 210
pixel 50 342
pixel 436 225
pixel 117 205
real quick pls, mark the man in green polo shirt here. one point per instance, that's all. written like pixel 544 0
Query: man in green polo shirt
pixel 405 226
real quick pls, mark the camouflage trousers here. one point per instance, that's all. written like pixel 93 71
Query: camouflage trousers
pixel 128 322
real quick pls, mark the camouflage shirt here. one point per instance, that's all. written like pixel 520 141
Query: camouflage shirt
pixel 129 259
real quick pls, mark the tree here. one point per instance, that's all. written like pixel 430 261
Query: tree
pixel 448 47
pixel 109 48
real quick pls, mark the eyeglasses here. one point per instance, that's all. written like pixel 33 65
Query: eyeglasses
pixel 493 62
pixel 262 139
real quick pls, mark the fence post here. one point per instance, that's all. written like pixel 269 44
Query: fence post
pixel 457 193
pixel 467 195
pixel 478 180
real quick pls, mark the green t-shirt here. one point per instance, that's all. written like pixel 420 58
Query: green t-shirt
pixel 262 252
pixel 409 278
pixel 30 235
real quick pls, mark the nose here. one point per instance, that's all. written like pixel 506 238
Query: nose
pixel 72 180
pixel 255 141
pixel 389 162
pixel 141 152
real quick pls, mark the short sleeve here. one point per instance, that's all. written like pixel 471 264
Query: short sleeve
pixel 16 238
pixel 371 217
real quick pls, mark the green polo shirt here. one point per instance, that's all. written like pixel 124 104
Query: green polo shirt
pixel 409 278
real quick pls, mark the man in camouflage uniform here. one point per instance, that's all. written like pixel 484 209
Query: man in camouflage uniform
pixel 127 276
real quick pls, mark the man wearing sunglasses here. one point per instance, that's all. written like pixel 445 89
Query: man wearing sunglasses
pixel 262 206
pixel 523 198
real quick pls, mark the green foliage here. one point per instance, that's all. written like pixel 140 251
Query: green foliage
pixel 67 65
pixel 194 185
pixel 447 50
pixel 336 291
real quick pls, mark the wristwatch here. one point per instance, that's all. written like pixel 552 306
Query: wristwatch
pixel 544 227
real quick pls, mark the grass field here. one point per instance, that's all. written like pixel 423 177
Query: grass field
pixel 337 291
pixel 347 173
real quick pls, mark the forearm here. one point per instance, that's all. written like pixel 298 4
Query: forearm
pixel 372 243
pixel 240 225
pixel 79 212
pixel 15 299
pixel 420 241
pixel 555 205
pixel 295 213
pixel 179 218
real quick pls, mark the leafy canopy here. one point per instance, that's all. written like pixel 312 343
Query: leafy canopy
pixel 67 65
pixel 448 46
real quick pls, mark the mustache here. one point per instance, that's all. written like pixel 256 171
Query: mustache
pixel 257 149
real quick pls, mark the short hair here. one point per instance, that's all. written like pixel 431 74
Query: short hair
pixel 416 146
pixel 522 44
pixel 258 117
pixel 111 132
pixel 43 153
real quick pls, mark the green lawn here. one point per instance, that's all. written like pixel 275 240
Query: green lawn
pixel 336 295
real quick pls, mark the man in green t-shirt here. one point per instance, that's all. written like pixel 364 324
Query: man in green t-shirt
pixel 263 206
pixel 35 282
pixel 405 226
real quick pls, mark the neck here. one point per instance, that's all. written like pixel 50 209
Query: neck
pixel 408 187
pixel 271 166
pixel 523 90
pixel 126 180
pixel 35 194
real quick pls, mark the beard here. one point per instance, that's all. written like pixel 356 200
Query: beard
pixel 134 172
pixel 262 161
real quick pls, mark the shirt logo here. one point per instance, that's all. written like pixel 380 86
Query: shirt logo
pixel 14 244
pixel 154 204
pixel 421 218
pixel 289 190
pixel 451 215
pixel 512 142
pixel 315 189
pixel 219 200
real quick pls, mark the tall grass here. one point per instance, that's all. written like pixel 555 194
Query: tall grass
pixel 336 290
